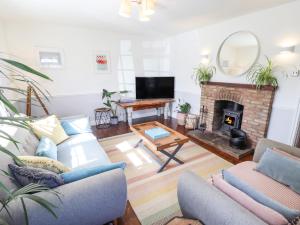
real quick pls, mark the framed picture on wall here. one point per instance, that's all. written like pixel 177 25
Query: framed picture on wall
pixel 50 58
pixel 102 62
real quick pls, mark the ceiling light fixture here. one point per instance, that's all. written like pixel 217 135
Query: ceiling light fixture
pixel 145 7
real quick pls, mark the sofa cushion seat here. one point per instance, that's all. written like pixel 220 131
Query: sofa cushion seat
pixel 271 188
pixel 82 151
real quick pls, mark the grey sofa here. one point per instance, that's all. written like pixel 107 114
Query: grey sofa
pixel 200 200
pixel 95 200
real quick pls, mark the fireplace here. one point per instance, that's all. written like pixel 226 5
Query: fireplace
pixel 239 106
pixel 227 115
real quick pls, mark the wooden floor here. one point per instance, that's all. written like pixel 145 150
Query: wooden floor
pixel 130 217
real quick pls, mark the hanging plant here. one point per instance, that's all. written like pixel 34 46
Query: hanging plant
pixel 262 75
pixel 203 73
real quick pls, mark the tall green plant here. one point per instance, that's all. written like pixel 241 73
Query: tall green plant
pixel 203 73
pixel 261 75
pixel 15 71
pixel 109 102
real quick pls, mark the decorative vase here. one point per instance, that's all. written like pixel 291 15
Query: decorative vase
pixel 114 120
pixel 181 118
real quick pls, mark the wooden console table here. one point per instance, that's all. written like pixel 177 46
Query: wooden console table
pixel 159 104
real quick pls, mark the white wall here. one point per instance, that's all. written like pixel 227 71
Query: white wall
pixel 76 88
pixel 274 27
pixel 2 38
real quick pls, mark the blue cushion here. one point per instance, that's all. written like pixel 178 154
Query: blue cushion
pixel 76 126
pixel 46 148
pixel 281 168
pixel 289 214
pixel 79 174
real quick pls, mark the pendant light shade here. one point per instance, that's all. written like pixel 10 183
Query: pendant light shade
pixel 125 8
pixel 148 7
pixel 142 16
pixel 145 8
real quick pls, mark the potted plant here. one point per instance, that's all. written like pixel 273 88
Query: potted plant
pixel 262 75
pixel 111 104
pixel 15 71
pixel 203 73
pixel 183 109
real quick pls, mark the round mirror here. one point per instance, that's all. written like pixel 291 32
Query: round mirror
pixel 238 53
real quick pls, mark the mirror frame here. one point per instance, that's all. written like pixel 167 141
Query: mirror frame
pixel 222 44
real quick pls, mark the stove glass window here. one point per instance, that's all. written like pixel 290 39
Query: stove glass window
pixel 229 120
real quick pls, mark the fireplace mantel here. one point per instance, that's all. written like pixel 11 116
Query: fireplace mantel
pixel 239 85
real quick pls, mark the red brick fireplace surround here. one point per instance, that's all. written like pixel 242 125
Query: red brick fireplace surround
pixel 257 106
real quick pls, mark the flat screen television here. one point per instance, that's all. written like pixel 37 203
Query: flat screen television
pixel 154 87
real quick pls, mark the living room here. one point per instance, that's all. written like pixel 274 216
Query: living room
pixel 158 112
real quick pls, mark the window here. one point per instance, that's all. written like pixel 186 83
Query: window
pixel 153 61
pixel 126 69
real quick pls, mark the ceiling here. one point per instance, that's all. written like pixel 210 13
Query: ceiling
pixel 171 16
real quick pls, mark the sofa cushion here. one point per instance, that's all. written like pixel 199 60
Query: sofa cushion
pixel 291 215
pixel 44 163
pixel 281 168
pixel 75 125
pixel 80 151
pixel 267 214
pixel 275 190
pixel 82 173
pixel 27 175
pixel 49 127
pixel 47 148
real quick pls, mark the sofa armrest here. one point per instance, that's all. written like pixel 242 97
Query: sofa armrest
pixel 200 200
pixel 265 143
pixel 94 200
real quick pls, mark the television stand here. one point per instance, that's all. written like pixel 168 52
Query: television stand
pixel 159 104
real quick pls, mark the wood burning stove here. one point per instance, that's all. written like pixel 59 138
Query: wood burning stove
pixel 231 119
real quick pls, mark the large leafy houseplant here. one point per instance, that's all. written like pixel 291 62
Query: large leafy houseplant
pixel 262 75
pixel 203 73
pixel 16 72
pixel 108 101
pixel 183 108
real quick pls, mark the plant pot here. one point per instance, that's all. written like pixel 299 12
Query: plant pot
pixel 114 120
pixel 181 117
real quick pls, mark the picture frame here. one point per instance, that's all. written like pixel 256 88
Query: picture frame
pixel 102 62
pixel 50 58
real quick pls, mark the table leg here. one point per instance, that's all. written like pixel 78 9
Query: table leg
pixel 171 156
pixel 166 110
pixel 129 111
pixel 137 144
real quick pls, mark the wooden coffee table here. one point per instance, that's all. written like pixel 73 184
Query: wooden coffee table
pixel 160 145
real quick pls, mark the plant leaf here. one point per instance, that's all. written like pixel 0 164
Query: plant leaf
pixel 25 211
pixel 15 158
pixel 7 103
pixel 42 202
pixel 25 68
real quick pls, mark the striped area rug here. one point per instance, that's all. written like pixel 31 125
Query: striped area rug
pixel 154 196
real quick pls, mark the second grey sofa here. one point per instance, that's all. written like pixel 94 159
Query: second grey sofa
pixel 200 200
